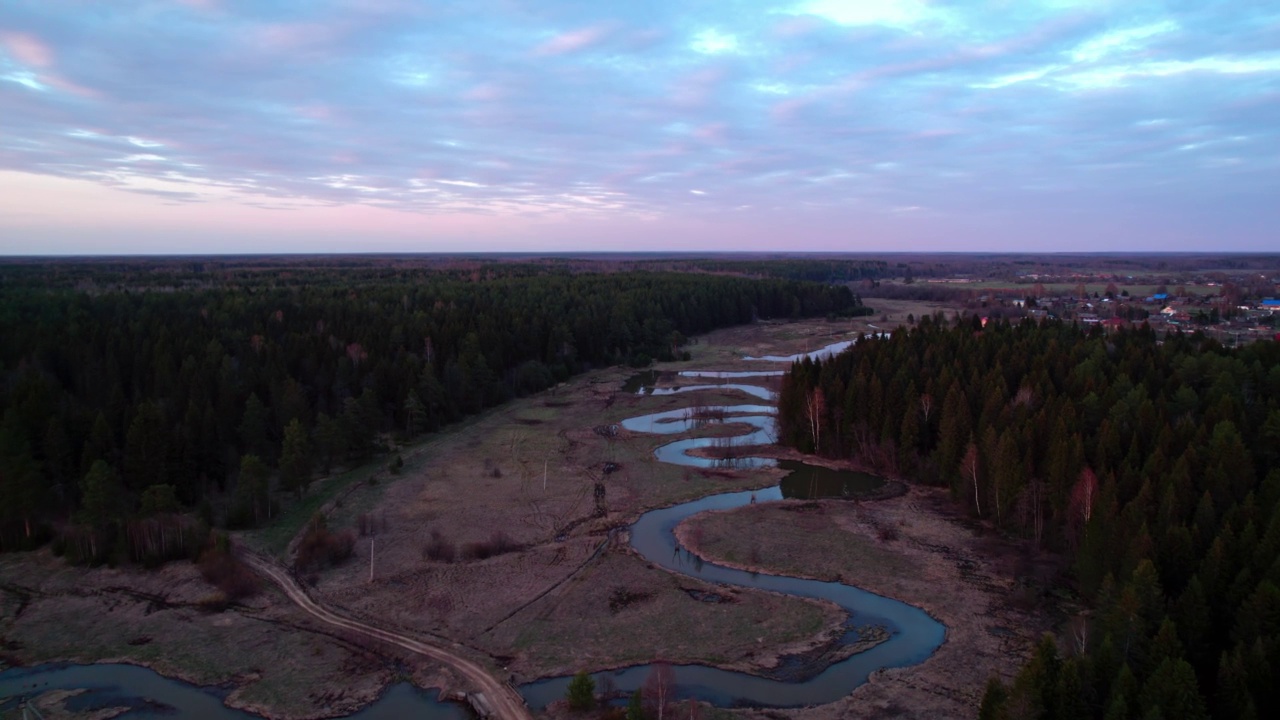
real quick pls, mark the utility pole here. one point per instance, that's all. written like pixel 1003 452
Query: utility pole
pixel 370 559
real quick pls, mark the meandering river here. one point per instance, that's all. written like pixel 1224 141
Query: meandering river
pixel 913 634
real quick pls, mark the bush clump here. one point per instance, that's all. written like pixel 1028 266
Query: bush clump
pixel 439 549
pixel 499 543
pixel 222 569
pixel 321 547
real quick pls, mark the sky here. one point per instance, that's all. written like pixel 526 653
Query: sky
pixel 234 126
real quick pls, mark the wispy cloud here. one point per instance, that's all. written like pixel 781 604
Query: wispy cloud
pixel 915 121
pixel 573 40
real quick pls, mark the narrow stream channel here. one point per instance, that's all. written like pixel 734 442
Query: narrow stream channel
pixel 913 634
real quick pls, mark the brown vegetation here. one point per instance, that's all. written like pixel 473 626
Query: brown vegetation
pixel 937 562
pixel 223 570
pixel 499 543
pixel 259 647
pixel 321 547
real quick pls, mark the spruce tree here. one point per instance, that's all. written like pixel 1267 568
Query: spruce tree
pixel 295 459
pixel 581 693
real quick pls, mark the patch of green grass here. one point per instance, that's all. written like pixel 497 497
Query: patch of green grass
pixel 274 538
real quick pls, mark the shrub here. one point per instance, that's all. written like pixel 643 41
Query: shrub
pixel 581 693
pixel 224 571
pixel 439 549
pixel 322 548
pixel 499 543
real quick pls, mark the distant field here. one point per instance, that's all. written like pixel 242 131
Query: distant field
pixel 1140 291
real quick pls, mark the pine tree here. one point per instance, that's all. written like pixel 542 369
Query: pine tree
pixel 415 414
pixel 295 459
pixel 253 428
pixel 20 483
pixel 994 698
pixel 1172 690
pixel 252 498
pixel 635 706
pixel 328 436
pixel 581 693
pixel 146 460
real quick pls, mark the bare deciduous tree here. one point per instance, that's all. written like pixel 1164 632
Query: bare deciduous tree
pixel 969 466
pixel 659 690
pixel 816 405
pixel 1083 495
pixel 1080 633
pixel 926 406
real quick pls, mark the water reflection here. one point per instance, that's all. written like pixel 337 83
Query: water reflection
pixel 810 482
pixel 913 634
pixel 819 354
pixel 732 374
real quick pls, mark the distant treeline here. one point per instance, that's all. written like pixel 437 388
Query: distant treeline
pixel 99 274
pixel 1152 463
pixel 129 399
pixel 809 269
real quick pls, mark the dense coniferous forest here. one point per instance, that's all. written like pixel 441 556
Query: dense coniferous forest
pixel 1152 465
pixel 131 391
pixel 813 269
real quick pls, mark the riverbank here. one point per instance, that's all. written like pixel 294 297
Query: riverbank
pixel 552 602
pixel 912 548
pixel 527 469
pixel 259 652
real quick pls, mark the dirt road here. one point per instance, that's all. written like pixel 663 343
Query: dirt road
pixel 505 702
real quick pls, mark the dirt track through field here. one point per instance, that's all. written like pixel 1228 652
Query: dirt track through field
pixel 505 702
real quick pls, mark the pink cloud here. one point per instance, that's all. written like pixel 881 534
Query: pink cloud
pixel 67 86
pixel 28 49
pixel 294 36
pixel 785 111
pixel 711 132
pixel 935 134
pixel 315 112
pixel 485 92
pixel 573 40
pixel 794 27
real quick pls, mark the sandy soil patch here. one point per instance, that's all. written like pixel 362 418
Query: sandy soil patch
pixel 913 548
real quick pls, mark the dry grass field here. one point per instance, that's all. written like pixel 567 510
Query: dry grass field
pixel 913 548
pixel 270 658
pixel 528 471
pixel 492 537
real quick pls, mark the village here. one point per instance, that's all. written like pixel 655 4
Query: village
pixel 1233 310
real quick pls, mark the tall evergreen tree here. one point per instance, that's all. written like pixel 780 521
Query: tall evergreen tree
pixel 295 459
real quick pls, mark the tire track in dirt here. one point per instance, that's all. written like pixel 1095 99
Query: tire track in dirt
pixel 503 699
pixel 577 571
